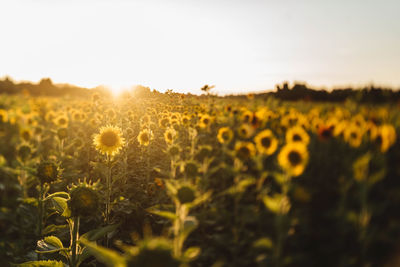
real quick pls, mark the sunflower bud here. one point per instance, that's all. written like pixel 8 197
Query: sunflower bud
pixel 186 194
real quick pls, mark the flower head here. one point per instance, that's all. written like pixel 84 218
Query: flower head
pixel 109 141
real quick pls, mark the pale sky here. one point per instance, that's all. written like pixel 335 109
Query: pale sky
pixel 238 46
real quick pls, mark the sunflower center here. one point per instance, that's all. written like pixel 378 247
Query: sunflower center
pixel 266 142
pixel 326 133
pixel 109 139
pixel 244 152
pixel 225 135
pixel 86 200
pixel 144 137
pixel 294 158
pixel 297 137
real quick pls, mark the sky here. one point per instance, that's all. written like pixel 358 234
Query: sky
pixel 237 45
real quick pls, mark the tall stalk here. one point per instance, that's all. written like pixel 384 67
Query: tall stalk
pixel 108 195
pixel 74 238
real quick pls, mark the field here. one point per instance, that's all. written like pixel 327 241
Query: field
pixel 177 180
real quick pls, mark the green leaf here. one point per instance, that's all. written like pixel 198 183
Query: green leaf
pixel 104 255
pixel 191 253
pixel 95 234
pixel 171 188
pixel 83 256
pixel 41 264
pixel 204 197
pixel 264 242
pixel 189 225
pixel 50 244
pixel 241 186
pixel 54 228
pixel 166 214
pixel 60 204
pixel 57 194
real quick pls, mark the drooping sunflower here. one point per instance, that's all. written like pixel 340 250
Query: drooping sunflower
pixel 297 134
pixel 144 137
pixel 47 171
pixel 84 201
pixel 266 142
pixel 225 135
pixel 244 150
pixel 109 141
pixel 293 158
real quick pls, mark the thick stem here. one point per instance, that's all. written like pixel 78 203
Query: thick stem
pixel 75 236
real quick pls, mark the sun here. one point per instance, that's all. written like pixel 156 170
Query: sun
pixel 117 90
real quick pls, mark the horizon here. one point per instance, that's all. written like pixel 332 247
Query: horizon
pixel 181 45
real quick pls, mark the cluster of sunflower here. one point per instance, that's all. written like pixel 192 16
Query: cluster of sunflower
pixel 244 182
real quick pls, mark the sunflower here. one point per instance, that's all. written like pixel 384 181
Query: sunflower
pixel 325 132
pixel 244 150
pixel 245 131
pixel 185 120
pixel 297 134
pixel 84 201
pixel 144 137
pixel 61 120
pixel 109 141
pixel 144 120
pixel 247 116
pixel 169 135
pixel 62 133
pixel 266 142
pixel 3 115
pixel 386 137
pixel 205 121
pixel 164 122
pixel 26 134
pixel 293 158
pixel 225 135
pixel 47 171
pixel 353 135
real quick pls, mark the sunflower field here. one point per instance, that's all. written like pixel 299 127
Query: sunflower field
pixel 178 180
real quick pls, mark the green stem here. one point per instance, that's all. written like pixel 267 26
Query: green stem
pixel 40 219
pixel 177 229
pixel 75 236
pixel 108 195
pixel 279 241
